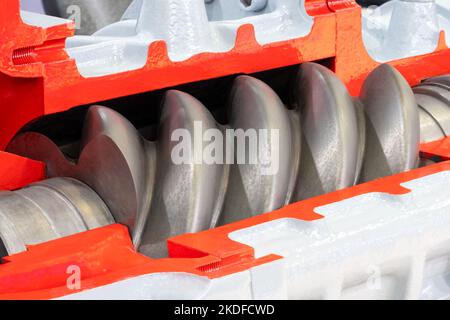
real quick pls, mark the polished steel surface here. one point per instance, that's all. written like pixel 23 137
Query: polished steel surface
pixel 440 92
pixel 49 210
pixel 430 129
pixel 331 140
pixel 113 161
pixel 136 178
pixel 393 124
pixel 361 120
pixel 326 141
pixel 253 189
pixel 437 109
pixel 433 97
pixel 442 80
pixel 188 197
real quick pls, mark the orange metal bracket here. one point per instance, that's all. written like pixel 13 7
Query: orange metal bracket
pixel 16 172
pixel 437 150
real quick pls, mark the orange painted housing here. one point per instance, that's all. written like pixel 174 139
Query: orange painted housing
pixel 37 78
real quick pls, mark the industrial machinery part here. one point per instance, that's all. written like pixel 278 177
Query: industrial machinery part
pixel 390 31
pixel 433 97
pixel 371 246
pixel 89 15
pixel 200 27
pixel 116 147
pixel 440 81
pixel 122 63
pixel 46 211
pixel 405 28
pixel 323 146
pixel 387 239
